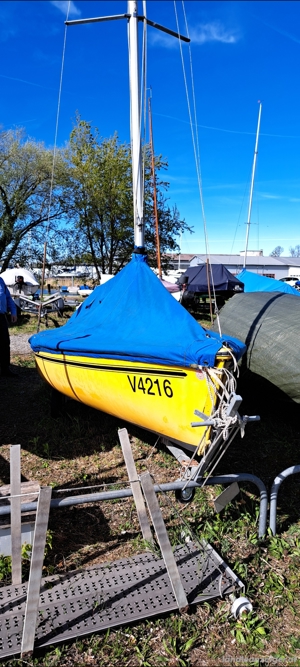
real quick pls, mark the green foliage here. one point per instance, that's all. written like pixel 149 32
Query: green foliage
pixel 25 177
pixel 5 568
pixel 180 641
pixel 101 199
pixel 250 630
pixel 92 189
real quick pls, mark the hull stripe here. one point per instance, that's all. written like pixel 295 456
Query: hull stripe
pixel 114 368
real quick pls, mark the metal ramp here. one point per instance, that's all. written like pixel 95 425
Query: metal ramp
pixel 59 608
pixel 110 595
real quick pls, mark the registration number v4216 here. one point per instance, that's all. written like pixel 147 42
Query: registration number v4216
pixel 149 386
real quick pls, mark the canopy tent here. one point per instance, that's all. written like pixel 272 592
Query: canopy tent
pixel 196 278
pixel 133 317
pixel 171 287
pixel 255 283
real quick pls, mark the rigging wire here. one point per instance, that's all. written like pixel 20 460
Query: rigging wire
pixel 195 141
pixel 57 120
pixel 257 202
pixel 239 216
pixel 53 164
pixel 143 104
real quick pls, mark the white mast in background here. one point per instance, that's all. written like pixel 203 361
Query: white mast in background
pixel 252 184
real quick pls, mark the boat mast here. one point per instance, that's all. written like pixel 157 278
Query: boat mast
pixel 155 213
pixel 135 125
pixel 135 112
pixel 252 184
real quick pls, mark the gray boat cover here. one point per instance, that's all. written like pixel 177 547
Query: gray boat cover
pixel 269 325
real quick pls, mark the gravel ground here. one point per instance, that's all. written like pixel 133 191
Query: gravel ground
pixel 19 344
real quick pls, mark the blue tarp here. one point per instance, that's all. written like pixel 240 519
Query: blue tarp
pixel 133 317
pixel 255 283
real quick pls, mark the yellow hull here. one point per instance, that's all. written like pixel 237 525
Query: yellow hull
pixel 155 397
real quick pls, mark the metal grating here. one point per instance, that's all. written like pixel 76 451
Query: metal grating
pixel 112 594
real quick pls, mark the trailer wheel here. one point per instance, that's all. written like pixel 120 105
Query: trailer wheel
pixel 185 495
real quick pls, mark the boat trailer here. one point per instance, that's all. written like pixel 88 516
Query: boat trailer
pixel 54 304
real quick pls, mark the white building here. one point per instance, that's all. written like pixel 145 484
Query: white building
pixel 271 267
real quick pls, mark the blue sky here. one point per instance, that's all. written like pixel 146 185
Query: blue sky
pixel 242 52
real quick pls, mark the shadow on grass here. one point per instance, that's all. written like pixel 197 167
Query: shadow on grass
pixel 269 446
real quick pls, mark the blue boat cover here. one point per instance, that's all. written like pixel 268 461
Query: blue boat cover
pixel 132 317
pixel 223 280
pixel 255 283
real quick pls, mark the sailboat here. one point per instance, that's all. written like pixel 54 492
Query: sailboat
pixel 134 352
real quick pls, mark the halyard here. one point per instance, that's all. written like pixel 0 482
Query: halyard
pixel 81 449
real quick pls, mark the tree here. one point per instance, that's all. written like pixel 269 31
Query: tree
pixel 295 252
pixel 277 251
pixel 25 177
pixel 101 197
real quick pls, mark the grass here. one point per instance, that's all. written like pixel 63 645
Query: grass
pixel 81 449
pixel 27 323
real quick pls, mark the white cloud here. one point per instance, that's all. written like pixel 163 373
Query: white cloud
pixel 213 32
pixel 161 39
pixel 62 5
pixel 267 195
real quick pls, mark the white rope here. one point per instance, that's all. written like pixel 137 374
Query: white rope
pixel 214 462
pixel 56 124
pixel 223 423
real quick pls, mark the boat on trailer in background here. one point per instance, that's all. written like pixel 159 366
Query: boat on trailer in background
pixel 20 282
pixel 133 351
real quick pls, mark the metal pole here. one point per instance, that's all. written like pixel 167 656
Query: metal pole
pixel 164 542
pixel 179 251
pixel 42 287
pixel 252 183
pixel 274 493
pixel 15 490
pixel 118 494
pixel 154 193
pixel 36 568
pixel 209 290
pixel 135 484
pixel 135 124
